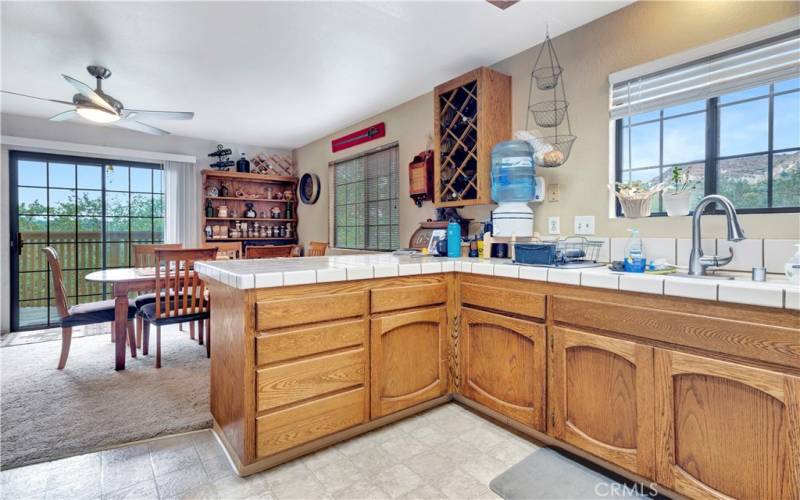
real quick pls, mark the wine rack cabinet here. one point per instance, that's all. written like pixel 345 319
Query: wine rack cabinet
pixel 472 113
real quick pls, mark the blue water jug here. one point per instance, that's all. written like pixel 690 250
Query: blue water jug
pixel 513 172
pixel 453 239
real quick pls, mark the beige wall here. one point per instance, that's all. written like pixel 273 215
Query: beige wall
pixel 634 35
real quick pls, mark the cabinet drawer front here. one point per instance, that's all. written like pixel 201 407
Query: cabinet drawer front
pixel 290 312
pixel 299 380
pixel 306 422
pixel 275 347
pixel 406 297
pixel 739 338
pixel 503 299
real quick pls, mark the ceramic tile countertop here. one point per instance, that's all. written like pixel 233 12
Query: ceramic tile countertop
pixel 263 273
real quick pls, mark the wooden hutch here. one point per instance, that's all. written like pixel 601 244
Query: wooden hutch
pixel 244 188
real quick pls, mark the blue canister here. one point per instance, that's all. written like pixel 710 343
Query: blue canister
pixel 453 239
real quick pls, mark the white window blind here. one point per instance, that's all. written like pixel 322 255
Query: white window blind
pixel 755 64
pixel 365 211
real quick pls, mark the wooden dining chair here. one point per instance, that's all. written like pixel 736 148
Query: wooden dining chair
pixel 181 296
pixel 144 255
pixel 225 249
pixel 317 248
pixel 268 251
pixel 88 313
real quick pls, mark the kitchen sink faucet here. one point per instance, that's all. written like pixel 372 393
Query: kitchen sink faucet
pixel 699 262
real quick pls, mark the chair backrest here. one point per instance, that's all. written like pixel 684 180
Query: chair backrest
pixel 225 249
pixel 182 288
pixel 144 255
pixel 58 281
pixel 268 251
pixel 317 248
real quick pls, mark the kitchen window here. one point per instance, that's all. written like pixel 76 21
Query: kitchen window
pixel 740 138
pixel 364 207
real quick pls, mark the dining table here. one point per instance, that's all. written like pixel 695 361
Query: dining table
pixel 124 281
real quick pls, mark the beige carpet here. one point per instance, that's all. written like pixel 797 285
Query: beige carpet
pixel 49 414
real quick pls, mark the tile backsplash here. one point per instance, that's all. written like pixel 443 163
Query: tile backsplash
pixel 747 254
pixel 777 253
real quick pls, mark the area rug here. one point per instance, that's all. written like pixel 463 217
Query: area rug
pixel 47 414
pixel 552 474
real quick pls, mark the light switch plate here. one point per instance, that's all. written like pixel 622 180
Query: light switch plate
pixel 584 224
pixel 554 225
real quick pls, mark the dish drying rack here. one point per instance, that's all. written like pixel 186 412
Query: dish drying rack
pixel 570 251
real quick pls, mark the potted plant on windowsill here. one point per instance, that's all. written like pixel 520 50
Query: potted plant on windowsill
pixel 636 197
pixel 676 200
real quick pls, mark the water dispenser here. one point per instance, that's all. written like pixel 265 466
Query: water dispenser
pixel 513 186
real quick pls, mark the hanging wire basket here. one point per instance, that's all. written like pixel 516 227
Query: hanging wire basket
pixel 549 113
pixel 554 150
pixel 547 77
pixel 561 146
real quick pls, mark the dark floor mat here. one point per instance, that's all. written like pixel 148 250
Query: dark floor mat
pixel 552 474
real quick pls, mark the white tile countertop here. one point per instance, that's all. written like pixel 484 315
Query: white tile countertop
pixel 264 273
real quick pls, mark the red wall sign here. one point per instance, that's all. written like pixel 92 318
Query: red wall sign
pixel 359 137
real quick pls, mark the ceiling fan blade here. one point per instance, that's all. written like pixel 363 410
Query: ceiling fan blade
pixel 90 94
pixel 159 115
pixel 140 127
pixel 66 115
pixel 34 97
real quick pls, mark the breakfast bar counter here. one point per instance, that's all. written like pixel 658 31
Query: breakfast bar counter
pixel 639 373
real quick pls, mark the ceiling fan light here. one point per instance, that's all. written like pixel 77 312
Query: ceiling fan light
pixel 97 115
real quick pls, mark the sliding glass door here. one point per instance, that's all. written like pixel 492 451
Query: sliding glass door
pixel 91 211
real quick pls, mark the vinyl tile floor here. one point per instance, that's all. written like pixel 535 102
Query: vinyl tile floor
pixel 445 453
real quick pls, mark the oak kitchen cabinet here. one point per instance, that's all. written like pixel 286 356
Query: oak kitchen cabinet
pixel 700 397
pixel 726 430
pixel 601 397
pixel 408 359
pixel 504 365
pixel 472 113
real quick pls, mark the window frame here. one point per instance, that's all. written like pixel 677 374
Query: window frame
pixel 712 156
pixel 392 199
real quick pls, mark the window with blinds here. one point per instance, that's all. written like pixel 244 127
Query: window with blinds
pixel 730 122
pixel 365 212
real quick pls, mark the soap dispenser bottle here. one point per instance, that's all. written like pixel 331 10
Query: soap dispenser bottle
pixel 635 261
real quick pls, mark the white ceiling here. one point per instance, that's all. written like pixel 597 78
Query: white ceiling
pixel 278 74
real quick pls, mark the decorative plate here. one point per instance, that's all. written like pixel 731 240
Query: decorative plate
pixel 308 188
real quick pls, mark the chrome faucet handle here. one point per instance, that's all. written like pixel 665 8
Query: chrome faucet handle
pixel 716 260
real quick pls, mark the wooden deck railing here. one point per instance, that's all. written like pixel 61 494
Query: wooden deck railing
pixel 79 254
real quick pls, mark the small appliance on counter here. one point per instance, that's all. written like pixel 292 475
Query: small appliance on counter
pixel 421 238
pixel 570 252
pixel 513 186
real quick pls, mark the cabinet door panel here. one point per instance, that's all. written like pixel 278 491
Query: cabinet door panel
pixel 602 397
pixel 726 430
pixel 408 359
pixel 504 365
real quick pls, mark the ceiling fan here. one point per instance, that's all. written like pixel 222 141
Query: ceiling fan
pixel 97 106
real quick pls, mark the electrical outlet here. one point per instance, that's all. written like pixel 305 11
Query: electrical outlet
pixel 552 192
pixel 554 225
pixel 584 224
